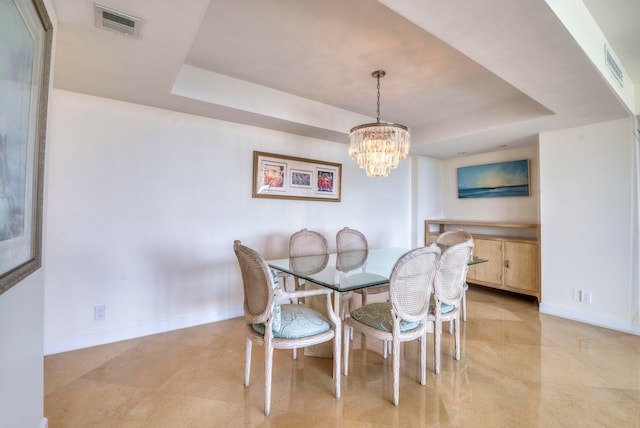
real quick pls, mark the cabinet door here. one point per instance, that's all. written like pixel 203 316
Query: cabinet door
pixel 521 265
pixel 491 272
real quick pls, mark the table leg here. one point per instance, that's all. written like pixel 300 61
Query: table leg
pixel 336 303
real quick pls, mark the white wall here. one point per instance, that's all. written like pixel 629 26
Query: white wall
pixel 144 205
pixel 426 195
pixel 636 227
pixel 22 332
pixel 518 209
pixel 587 202
pixel 21 365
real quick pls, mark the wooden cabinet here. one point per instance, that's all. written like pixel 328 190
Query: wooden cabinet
pixel 514 261
pixel 491 271
pixel 521 267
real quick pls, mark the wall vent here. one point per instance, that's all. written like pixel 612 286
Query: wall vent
pixel 117 21
pixel 613 65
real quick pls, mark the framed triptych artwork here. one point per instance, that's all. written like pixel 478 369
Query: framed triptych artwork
pixel 288 177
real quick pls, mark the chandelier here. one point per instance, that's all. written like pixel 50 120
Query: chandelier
pixel 378 147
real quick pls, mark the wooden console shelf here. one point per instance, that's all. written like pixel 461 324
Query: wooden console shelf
pixel 514 260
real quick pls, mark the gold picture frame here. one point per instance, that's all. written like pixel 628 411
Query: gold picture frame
pixel 288 177
pixel 25 61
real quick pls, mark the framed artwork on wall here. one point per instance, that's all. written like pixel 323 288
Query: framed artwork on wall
pixel 301 178
pixel 25 59
pixel 289 177
pixel 494 180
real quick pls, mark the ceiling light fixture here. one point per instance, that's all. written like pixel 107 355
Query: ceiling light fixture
pixel 378 147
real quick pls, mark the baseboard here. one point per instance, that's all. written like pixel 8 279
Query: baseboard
pixel 635 325
pixel 44 423
pixel 56 346
pixel 589 318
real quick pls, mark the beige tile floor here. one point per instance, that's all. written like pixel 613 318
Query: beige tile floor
pixel 518 369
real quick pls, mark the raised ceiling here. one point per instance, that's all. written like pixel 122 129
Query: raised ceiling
pixel 466 77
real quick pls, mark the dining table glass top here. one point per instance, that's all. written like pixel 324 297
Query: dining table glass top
pixel 348 270
pixel 345 271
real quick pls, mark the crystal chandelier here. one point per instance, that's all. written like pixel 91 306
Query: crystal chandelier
pixel 378 147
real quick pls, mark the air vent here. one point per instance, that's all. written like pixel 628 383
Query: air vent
pixel 613 65
pixel 116 21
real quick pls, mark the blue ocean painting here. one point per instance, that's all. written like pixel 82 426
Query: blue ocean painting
pixel 494 180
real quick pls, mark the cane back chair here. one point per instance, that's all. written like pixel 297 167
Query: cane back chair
pixel 453 237
pixel 448 290
pixel 404 317
pixel 297 326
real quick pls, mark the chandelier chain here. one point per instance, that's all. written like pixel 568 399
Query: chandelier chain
pixel 378 116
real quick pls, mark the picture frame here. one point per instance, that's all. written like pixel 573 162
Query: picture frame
pixel 301 178
pixel 501 179
pixel 25 61
pixel 288 177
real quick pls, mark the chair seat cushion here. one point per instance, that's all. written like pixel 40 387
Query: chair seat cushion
pixel 444 308
pixel 296 321
pixel 378 316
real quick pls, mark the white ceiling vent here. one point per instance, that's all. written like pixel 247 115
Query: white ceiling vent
pixel 613 66
pixel 117 21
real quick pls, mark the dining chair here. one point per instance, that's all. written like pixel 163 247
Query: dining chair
pixel 448 289
pixel 307 242
pixel 297 326
pixel 453 237
pixel 304 243
pixel 404 317
pixel 353 240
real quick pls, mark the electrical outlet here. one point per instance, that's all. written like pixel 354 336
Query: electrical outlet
pixel 100 313
pixel 585 296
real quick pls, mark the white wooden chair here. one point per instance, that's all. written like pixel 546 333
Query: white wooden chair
pixel 296 327
pixel 307 242
pixel 353 240
pixel 351 243
pixel 404 317
pixel 453 237
pixel 448 290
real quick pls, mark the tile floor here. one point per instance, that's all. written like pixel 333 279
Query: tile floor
pixel 518 369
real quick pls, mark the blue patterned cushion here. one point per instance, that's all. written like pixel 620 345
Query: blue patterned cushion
pixel 378 316
pixel 276 278
pixel 444 308
pixel 297 321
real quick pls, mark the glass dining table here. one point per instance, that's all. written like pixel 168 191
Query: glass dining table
pixel 345 271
